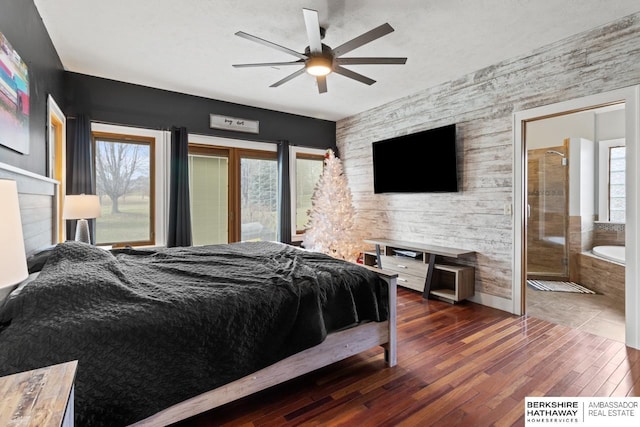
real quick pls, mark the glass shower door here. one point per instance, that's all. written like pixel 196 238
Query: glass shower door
pixel 547 222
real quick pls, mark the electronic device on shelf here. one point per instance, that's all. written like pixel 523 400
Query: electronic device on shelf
pixel 406 253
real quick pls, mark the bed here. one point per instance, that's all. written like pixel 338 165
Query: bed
pixel 166 333
pixel 31 321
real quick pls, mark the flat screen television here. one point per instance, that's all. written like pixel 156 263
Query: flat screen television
pixel 423 162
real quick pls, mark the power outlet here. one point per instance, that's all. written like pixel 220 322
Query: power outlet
pixel 507 208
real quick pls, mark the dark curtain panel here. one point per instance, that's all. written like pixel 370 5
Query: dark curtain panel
pixel 284 193
pixel 179 233
pixel 80 176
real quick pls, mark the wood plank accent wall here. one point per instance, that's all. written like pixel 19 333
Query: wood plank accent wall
pixel 482 104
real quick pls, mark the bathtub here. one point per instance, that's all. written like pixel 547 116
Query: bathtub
pixel 602 270
pixel 611 253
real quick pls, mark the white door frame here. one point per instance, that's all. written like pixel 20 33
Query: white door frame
pixel 631 97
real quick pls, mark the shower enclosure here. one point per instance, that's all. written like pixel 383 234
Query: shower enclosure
pixel 547 219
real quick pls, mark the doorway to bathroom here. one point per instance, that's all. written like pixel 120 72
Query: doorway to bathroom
pixel 581 226
pixel 567 283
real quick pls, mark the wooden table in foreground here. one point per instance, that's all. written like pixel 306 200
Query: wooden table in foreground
pixel 419 272
pixel 42 397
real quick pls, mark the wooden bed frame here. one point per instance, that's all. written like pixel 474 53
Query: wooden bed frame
pixel 37 197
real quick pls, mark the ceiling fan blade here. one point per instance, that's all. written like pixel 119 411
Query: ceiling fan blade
pixel 268 64
pixel 271 44
pixel 289 77
pixel 363 39
pixel 312 24
pixel 370 60
pixel 322 83
pixel 353 75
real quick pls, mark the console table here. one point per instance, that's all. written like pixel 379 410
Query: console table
pixel 42 397
pixel 416 266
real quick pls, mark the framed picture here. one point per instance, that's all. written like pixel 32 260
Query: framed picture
pixel 14 99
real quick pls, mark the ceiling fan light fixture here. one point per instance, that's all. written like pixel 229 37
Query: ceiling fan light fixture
pixel 319 66
pixel 319 59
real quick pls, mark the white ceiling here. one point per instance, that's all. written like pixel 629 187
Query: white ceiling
pixel 189 46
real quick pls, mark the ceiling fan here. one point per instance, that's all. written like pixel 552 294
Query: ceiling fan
pixel 319 59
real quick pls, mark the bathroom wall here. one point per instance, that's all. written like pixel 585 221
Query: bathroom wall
pixel 608 234
pixel 610 124
pixel 582 216
pixel 552 131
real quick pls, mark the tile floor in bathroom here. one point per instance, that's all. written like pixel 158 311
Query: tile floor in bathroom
pixel 596 314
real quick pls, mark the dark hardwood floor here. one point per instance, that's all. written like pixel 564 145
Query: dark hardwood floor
pixel 460 365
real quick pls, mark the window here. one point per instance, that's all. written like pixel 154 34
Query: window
pixel 617 184
pixel 611 188
pixel 306 168
pixel 124 168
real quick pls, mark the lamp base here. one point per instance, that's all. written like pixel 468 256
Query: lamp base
pixel 82 231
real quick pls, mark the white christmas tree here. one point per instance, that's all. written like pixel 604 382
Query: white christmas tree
pixel 331 227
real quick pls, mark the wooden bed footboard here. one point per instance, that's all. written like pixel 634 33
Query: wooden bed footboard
pixel 337 346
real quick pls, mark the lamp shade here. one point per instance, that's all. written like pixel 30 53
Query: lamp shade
pixel 82 206
pixel 13 261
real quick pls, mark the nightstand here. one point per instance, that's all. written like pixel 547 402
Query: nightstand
pixel 42 397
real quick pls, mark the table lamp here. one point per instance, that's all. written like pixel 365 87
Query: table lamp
pixel 82 207
pixel 13 261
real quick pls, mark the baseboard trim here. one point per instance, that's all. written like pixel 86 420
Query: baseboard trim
pixel 492 301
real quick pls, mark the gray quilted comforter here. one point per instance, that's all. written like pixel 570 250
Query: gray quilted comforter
pixel 151 328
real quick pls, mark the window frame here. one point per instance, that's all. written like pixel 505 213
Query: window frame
pixel 141 140
pixel 604 149
pixel 296 152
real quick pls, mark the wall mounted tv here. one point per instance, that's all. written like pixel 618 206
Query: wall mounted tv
pixel 423 162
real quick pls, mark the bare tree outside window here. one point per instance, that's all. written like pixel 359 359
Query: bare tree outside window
pixel 124 170
pixel 116 165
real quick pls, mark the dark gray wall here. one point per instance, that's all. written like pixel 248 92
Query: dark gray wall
pixel 121 103
pixel 22 26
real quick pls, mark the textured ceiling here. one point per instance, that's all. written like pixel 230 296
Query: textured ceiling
pixel 189 46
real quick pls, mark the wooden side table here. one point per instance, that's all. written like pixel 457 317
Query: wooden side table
pixel 42 397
